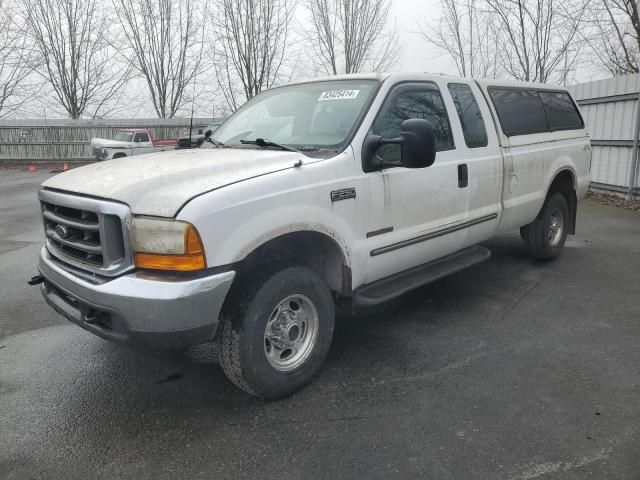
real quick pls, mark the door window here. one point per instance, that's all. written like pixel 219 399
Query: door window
pixel 475 133
pixel 412 101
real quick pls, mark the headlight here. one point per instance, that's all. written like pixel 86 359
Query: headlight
pixel 162 244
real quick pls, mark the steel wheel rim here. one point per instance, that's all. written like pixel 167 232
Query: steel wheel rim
pixel 291 332
pixel 556 227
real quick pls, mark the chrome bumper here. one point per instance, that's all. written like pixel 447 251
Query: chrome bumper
pixel 137 308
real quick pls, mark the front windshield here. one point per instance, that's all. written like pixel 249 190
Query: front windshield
pixel 320 114
pixel 123 136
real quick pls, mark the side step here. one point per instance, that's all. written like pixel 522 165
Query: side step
pixel 403 282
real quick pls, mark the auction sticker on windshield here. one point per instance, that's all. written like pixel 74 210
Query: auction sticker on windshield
pixel 339 95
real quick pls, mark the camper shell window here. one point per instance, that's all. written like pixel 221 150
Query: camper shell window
pixel 524 111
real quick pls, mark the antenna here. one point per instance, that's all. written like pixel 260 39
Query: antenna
pixel 193 99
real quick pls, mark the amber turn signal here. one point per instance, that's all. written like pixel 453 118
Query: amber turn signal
pixel 193 257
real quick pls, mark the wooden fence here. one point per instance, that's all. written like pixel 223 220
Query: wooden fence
pixel 68 140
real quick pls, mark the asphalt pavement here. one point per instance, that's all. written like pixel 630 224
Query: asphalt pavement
pixel 513 369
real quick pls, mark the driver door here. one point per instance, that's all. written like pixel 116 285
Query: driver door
pixel 414 212
pixel 142 143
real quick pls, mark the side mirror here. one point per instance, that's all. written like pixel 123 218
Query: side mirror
pixel 417 145
pixel 207 134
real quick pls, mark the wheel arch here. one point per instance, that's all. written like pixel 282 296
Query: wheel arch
pixel 310 248
pixel 565 182
pixel 119 155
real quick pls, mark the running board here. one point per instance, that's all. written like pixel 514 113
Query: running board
pixel 390 287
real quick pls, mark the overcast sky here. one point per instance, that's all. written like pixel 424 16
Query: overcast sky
pixel 417 55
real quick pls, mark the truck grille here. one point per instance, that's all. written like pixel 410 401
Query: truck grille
pixel 76 232
pixel 85 232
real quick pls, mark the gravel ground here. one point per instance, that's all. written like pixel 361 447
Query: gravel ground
pixel 614 200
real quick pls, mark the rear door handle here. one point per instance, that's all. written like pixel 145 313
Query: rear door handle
pixel 463 175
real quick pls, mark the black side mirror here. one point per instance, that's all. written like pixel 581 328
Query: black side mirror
pixel 417 144
pixel 207 134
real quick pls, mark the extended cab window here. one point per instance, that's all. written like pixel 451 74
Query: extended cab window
pixel 520 111
pixel 475 133
pixel 562 113
pixel 412 101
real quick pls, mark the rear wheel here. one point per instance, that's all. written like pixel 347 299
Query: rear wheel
pixel 544 238
pixel 277 332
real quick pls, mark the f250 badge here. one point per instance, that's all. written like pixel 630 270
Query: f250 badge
pixel 343 194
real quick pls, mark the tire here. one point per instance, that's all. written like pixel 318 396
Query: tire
pixel 544 238
pixel 292 309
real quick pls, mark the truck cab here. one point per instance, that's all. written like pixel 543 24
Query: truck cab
pixel 129 142
pixel 346 190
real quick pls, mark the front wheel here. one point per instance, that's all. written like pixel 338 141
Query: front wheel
pixel 276 333
pixel 544 238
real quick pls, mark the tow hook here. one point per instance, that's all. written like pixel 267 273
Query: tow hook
pixel 35 280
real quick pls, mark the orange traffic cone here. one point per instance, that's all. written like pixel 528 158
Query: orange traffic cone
pixel 65 167
pixel 32 167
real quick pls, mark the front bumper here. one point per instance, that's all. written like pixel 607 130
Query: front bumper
pixel 139 308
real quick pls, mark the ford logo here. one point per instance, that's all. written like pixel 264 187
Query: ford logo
pixel 62 231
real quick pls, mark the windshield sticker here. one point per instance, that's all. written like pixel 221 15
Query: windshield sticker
pixel 339 95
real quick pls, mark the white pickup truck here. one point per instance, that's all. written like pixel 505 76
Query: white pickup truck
pixel 129 142
pixel 352 189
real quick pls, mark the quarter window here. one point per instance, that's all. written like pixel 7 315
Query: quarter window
pixel 562 113
pixel 475 133
pixel 413 101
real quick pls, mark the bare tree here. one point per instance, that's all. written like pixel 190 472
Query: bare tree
pixel 613 36
pixel 349 36
pixel 17 61
pixel 539 37
pixel 467 33
pixel 250 41
pixel 164 40
pixel 72 39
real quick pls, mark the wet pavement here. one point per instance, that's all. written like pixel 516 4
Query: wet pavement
pixel 512 369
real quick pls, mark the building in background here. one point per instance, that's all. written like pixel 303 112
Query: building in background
pixel 611 110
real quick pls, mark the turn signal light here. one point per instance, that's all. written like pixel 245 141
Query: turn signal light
pixel 191 258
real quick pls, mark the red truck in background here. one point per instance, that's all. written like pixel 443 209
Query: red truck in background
pixel 128 142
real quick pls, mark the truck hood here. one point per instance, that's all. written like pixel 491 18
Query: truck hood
pixel 160 184
pixel 108 143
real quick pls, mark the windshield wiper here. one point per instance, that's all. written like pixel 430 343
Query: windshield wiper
pixel 208 138
pixel 214 142
pixel 261 142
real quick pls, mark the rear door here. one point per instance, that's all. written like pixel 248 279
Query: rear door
pixel 480 170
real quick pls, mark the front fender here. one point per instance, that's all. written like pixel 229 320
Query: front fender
pixel 231 233
pixel 259 229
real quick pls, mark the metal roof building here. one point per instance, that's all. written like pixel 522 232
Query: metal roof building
pixel 611 110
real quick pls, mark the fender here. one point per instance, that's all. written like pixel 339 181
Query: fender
pixel 249 226
pixel 299 227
